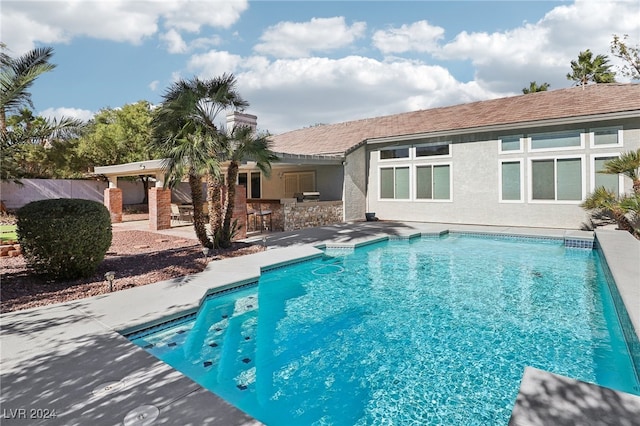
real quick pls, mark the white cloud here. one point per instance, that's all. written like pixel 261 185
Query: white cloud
pixel 25 23
pixel 174 41
pixel 81 114
pixel 542 51
pixel 191 15
pixel 292 93
pixel 214 63
pixel 300 39
pixel 154 85
pixel 419 37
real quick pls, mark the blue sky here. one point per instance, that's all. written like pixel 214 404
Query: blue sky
pixel 300 63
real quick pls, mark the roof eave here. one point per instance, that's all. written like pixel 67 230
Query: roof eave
pixel 506 127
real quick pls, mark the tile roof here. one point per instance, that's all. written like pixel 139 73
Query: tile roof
pixel 594 99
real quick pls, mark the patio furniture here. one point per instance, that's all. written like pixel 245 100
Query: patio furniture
pixel 262 216
pixel 181 213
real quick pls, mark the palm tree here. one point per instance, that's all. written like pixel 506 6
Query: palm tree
pixel 186 133
pixel 241 144
pixel 17 75
pixel 628 164
pixel 587 68
pixel 533 88
pixel 603 201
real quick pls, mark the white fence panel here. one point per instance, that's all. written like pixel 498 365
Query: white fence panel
pixel 16 195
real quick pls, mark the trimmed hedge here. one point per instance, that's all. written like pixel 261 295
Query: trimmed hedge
pixel 64 238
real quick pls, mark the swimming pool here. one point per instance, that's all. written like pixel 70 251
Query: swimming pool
pixel 424 331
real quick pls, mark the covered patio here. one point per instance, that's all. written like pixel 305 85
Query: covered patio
pixel 159 197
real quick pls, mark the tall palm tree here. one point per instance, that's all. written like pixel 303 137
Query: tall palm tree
pixel 241 144
pixel 186 133
pixel 587 68
pixel 17 75
pixel 533 88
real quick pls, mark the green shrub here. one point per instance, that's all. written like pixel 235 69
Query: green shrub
pixel 64 238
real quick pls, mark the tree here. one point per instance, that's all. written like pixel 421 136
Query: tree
pixel 186 134
pixel 619 208
pixel 628 164
pixel 242 144
pixel 120 135
pixel 37 147
pixel 533 88
pixel 17 75
pixel 602 201
pixel 587 68
pixel 630 54
pixel 24 138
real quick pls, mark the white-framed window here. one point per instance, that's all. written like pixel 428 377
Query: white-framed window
pixel 511 179
pixel 614 183
pixel 395 182
pixel 296 182
pixel 394 153
pixel 252 182
pixel 557 179
pixel 606 137
pixel 438 149
pixel 556 141
pixel 433 182
pixel 511 144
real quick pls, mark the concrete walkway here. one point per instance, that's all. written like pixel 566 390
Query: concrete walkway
pixel 69 360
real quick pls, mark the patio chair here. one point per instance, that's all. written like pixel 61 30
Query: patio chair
pixel 181 214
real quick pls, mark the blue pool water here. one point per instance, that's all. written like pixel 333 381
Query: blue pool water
pixel 424 331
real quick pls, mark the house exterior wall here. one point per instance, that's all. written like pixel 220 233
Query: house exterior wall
pixel 328 181
pixel 355 185
pixel 475 179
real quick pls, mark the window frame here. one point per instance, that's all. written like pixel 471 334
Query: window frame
pixel 407 158
pixel 592 138
pixel 414 192
pixel 555 159
pixel 592 166
pixel 415 156
pixel 518 151
pixel 580 132
pixel 410 182
pixel 249 184
pixel 520 161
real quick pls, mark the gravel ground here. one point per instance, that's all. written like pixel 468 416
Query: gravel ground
pixel 137 257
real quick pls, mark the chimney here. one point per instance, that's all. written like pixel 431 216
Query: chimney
pixel 240 119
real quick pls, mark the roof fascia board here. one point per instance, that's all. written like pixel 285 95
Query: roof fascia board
pixel 510 126
pixel 148 167
pixel 319 159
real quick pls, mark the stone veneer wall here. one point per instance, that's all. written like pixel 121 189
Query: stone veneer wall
pixel 311 214
pixel 274 206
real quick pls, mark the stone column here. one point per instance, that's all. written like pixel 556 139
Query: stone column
pixel 159 208
pixel 113 202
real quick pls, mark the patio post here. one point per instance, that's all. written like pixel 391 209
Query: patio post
pixel 113 200
pixel 159 205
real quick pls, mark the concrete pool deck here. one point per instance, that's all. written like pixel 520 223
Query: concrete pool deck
pixel 71 357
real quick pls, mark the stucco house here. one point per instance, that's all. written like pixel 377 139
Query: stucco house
pixel 525 160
